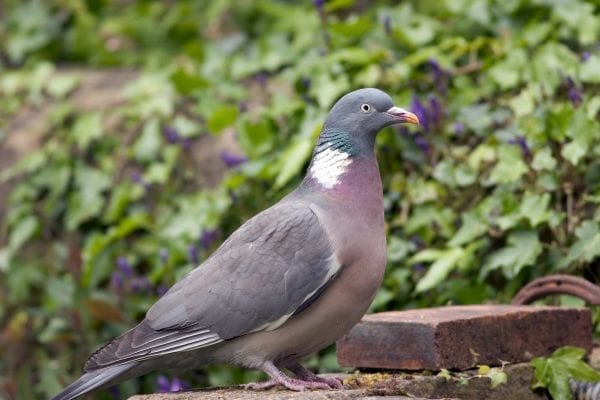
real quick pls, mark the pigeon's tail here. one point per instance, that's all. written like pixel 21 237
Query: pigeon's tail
pixel 93 380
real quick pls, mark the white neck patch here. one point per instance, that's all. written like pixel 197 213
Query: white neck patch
pixel 329 165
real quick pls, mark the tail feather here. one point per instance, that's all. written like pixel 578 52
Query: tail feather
pixel 93 380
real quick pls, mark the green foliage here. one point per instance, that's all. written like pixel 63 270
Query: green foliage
pixel 555 371
pixel 500 184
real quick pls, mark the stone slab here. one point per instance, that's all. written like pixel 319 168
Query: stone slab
pixel 383 386
pixel 462 337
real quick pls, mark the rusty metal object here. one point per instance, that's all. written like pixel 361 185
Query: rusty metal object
pixel 558 284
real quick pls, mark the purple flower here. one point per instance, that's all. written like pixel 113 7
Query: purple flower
pixel 522 143
pixel 319 5
pixel 403 131
pixel 459 127
pixel 124 267
pixel 178 384
pixel 387 24
pixel 305 82
pixel 136 177
pixel 232 160
pixel 417 242
pixel 174 385
pixel 242 106
pixel 115 392
pixel 193 254
pixel 164 255
pixel 140 285
pixel 440 76
pixel 417 107
pixel 171 134
pixel 436 112
pixel 261 78
pixel 116 280
pixel 161 290
pixel 163 384
pixel 418 267
pixel 422 144
pixel 585 56
pixel 187 143
pixel 575 95
pixel 207 238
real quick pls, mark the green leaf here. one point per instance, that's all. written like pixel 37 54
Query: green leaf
pixel 587 246
pixel 148 144
pixel 292 160
pixel 589 71
pixel 574 151
pixel 87 200
pixel 555 371
pixel 87 128
pixel 471 228
pixel 22 232
pixel 398 249
pixel 510 166
pixel 61 85
pixel 535 208
pixel 256 138
pixel 445 262
pixel 523 104
pixel 523 249
pixel 222 117
pixel 543 160
pixel 497 377
pixel 186 83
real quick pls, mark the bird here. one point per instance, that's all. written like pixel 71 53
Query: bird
pixel 288 282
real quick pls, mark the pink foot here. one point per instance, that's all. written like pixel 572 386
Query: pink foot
pixel 307 375
pixel 279 378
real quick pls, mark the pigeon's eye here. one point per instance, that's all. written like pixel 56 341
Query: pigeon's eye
pixel 365 108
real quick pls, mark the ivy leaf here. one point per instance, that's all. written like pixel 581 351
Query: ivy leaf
pixel 555 371
pixel 535 208
pixel 510 166
pixel 543 160
pixel 292 160
pixel 22 232
pixel 590 70
pixel 523 249
pixel 445 261
pixel 87 128
pixel 148 144
pixel 87 201
pixel 398 249
pixel 587 246
pixel 256 138
pixel 471 228
pixel 221 117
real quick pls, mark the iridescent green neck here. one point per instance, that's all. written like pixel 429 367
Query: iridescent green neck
pixel 336 139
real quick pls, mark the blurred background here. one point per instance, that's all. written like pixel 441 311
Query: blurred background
pixel 136 135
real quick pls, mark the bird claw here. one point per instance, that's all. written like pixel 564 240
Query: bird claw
pixel 296 385
pixel 332 382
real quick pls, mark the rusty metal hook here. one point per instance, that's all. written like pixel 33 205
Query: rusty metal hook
pixel 558 284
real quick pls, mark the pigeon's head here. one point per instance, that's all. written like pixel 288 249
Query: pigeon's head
pixel 361 114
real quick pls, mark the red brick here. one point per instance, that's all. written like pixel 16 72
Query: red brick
pixel 461 337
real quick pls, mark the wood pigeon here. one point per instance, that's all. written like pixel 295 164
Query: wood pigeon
pixel 289 282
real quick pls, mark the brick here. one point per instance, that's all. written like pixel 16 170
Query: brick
pixel 461 337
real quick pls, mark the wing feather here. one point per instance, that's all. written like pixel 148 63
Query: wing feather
pixel 271 268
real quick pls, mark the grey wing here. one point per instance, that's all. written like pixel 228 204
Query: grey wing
pixel 269 269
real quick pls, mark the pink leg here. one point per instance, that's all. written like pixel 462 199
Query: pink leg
pixel 306 375
pixel 279 378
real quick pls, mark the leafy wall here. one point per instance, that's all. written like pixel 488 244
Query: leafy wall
pixel 500 184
